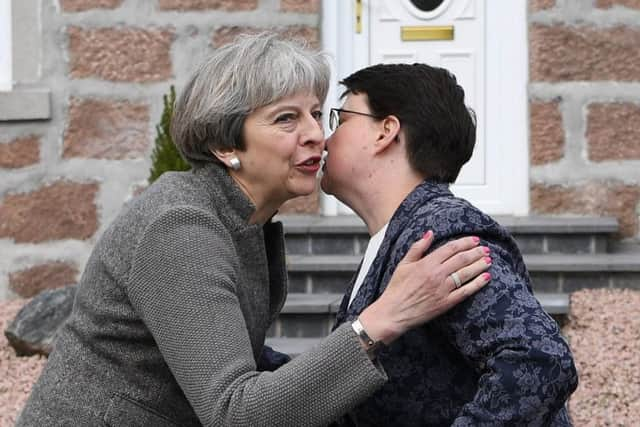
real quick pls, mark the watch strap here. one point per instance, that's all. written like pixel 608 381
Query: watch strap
pixel 371 346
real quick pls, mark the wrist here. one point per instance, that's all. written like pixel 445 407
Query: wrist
pixel 369 345
pixel 378 326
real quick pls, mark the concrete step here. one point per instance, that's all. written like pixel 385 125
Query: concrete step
pixel 312 315
pixel 561 273
pixel 306 315
pixel 322 235
pixel 297 303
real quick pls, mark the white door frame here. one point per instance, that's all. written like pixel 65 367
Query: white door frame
pixel 6 63
pixel 507 79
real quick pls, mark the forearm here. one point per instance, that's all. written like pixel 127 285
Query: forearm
pixel 216 370
pixel 313 389
pixel 210 355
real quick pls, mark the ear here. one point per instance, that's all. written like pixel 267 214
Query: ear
pixel 389 133
pixel 224 155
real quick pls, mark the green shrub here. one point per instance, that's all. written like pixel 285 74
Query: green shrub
pixel 165 156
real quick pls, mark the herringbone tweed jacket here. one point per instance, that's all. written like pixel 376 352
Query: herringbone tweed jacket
pixel 170 318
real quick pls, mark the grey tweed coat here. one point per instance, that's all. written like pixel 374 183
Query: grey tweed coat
pixel 170 318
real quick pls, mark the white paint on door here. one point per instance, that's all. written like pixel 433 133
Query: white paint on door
pixel 6 64
pixel 488 55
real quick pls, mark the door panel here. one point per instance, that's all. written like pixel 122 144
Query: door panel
pixel 488 54
pixel 463 56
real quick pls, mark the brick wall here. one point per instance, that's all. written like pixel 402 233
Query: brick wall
pixel 107 64
pixel 585 109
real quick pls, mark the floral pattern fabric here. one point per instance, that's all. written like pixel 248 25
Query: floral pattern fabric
pixel 496 359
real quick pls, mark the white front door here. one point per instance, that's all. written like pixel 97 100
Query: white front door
pixel 483 43
pixel 464 22
pixel 5 46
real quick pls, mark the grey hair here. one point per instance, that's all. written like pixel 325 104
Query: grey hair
pixel 253 71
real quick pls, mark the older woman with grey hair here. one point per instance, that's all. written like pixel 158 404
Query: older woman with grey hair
pixel 172 310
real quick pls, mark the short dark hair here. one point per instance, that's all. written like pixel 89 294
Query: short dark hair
pixel 439 128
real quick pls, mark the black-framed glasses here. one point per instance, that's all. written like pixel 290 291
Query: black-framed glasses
pixel 334 116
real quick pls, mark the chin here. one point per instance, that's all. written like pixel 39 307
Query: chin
pixel 304 190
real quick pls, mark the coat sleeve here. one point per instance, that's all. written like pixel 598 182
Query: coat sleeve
pixel 526 370
pixel 182 283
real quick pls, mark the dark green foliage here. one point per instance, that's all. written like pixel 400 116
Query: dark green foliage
pixel 165 156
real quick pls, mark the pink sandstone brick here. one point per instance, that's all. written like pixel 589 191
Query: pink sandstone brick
pixel 559 53
pixel 592 198
pixel 120 54
pixel 62 210
pixel 606 4
pixel 613 131
pixel 226 35
pixel 20 152
pixel 106 129
pixel 228 5
pixel 547 133
pixel 33 280
pixel 300 6
pixel 536 5
pixel 82 5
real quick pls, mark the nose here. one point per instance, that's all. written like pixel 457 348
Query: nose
pixel 313 132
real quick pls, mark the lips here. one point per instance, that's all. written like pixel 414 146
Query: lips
pixel 310 165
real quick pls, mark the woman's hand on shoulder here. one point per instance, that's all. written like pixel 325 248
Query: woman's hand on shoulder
pixel 423 287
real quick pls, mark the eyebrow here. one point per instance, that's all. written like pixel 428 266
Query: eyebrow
pixel 293 106
pixel 275 110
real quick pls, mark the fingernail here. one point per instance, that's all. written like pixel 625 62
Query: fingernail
pixel 486 276
pixel 487 260
pixel 427 234
pixel 486 250
pixel 475 239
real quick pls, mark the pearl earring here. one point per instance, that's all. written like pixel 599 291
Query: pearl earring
pixel 235 163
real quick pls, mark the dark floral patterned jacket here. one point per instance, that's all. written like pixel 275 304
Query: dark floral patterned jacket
pixel 496 359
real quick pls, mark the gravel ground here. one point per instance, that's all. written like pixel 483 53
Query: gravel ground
pixel 17 374
pixel 603 329
pixel 604 333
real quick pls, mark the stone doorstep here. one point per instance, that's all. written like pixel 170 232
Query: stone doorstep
pixel 311 303
pixel 554 304
pixel 624 262
pixel 348 224
pixel 618 262
pixel 315 234
pixel 297 303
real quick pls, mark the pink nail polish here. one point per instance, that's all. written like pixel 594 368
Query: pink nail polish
pixel 487 260
pixel 475 239
pixel 486 250
pixel 427 234
pixel 486 276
